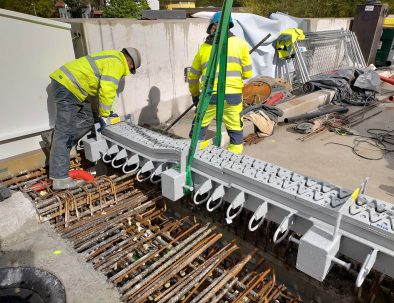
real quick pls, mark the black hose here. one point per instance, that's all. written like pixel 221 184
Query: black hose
pixel 315 114
pixel 379 142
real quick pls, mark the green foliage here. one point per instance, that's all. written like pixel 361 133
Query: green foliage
pixel 125 8
pixel 44 8
pixel 75 8
pixel 216 3
pixel 308 8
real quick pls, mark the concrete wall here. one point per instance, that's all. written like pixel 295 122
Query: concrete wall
pixel 325 24
pixel 158 90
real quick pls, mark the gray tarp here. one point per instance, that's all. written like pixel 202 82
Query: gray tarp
pixel 253 29
pixel 353 86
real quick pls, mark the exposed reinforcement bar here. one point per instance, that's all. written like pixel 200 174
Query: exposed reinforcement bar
pixel 331 220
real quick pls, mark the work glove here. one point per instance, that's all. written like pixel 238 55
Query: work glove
pixel 195 100
pixel 102 122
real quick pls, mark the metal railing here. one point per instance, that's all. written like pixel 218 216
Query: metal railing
pixel 324 51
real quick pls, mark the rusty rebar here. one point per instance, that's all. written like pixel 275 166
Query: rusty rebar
pixel 230 275
pixel 198 276
pixel 159 279
pixel 164 263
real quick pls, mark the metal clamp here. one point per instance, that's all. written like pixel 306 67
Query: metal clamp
pixel 147 167
pixel 238 202
pixel 112 150
pixel 119 156
pixel 366 267
pixel 283 228
pixel 205 188
pixel 217 194
pixel 258 216
pixel 132 161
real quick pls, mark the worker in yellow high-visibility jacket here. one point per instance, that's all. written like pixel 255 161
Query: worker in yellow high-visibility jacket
pixel 98 75
pixel 239 68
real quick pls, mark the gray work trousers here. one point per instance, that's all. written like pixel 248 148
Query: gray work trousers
pixel 73 120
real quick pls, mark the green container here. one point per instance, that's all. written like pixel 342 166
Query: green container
pixel 386 45
pixel 381 58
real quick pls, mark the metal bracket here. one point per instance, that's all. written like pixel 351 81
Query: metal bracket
pixel 133 160
pixel 120 155
pixel 148 166
pixel 283 228
pixel 258 216
pixel 366 267
pixel 204 188
pixel 157 173
pixel 237 203
pixel 112 150
pixel 218 193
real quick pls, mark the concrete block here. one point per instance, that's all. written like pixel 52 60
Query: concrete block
pixel 159 14
pixel 172 183
pixel 306 103
pixel 315 253
pixel 94 148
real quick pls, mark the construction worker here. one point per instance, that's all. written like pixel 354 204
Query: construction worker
pixel 98 75
pixel 239 67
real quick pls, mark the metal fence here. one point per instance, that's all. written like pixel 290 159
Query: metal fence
pixel 325 51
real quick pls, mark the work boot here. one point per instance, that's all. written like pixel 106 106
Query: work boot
pixel 66 183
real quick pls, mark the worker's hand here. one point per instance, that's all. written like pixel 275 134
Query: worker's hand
pixel 112 114
pixel 195 100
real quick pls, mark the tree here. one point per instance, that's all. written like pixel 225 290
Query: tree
pixel 308 8
pixel 76 6
pixel 41 8
pixel 125 8
pixel 216 3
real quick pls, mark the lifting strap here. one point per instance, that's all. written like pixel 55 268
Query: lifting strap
pixel 218 56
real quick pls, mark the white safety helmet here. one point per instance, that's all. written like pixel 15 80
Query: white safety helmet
pixel 134 54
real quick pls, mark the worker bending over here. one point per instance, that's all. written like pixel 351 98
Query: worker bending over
pixel 97 74
pixel 239 67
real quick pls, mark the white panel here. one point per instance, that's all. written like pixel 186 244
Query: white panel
pixel 31 48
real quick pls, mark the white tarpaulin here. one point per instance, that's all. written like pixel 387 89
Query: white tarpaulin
pixel 253 29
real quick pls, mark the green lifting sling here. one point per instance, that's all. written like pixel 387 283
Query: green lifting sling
pixel 218 56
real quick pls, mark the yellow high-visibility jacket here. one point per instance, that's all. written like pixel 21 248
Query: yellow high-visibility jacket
pixel 239 67
pixel 286 39
pixel 96 75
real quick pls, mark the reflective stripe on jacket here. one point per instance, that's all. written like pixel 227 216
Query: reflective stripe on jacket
pixel 239 67
pixel 96 75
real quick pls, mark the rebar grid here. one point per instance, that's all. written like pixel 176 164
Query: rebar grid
pixel 124 232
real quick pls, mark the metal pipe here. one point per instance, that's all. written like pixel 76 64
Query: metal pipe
pixel 315 114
